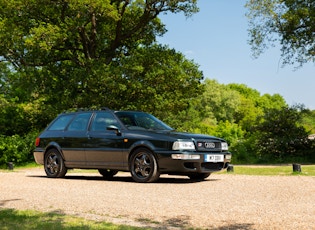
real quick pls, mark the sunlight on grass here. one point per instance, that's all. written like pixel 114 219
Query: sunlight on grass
pixel 15 220
pixel 261 170
pixel 258 170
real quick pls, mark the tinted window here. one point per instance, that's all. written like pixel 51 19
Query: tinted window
pixel 80 122
pixel 61 122
pixel 102 121
pixel 136 120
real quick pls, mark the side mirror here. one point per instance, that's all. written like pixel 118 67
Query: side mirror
pixel 114 128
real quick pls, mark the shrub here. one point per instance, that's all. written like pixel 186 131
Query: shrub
pixel 17 149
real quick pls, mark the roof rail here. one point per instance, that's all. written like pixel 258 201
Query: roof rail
pixel 72 110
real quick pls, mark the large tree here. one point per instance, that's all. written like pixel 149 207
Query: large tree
pixel 289 22
pixel 42 32
pixel 78 53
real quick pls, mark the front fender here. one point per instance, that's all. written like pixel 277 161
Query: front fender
pixel 142 143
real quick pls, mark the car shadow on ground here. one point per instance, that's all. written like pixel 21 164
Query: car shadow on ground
pixel 3 202
pixel 128 179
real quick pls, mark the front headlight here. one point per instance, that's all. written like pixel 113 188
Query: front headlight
pixel 183 145
pixel 224 146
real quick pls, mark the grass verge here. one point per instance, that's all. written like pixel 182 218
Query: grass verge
pixel 15 220
pixel 272 170
pixel 255 170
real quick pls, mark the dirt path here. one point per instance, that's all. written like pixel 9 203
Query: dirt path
pixel 221 202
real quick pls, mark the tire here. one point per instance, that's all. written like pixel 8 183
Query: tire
pixel 199 176
pixel 107 173
pixel 143 166
pixel 54 164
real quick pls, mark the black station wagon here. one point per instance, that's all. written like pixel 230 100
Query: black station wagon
pixel 138 142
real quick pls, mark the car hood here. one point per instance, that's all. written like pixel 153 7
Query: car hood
pixel 186 135
pixel 174 135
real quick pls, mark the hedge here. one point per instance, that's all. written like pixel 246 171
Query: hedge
pixel 17 149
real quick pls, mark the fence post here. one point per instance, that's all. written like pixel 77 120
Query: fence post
pixel 10 165
pixel 230 168
pixel 297 168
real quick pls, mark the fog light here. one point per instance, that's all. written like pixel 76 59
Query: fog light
pixel 228 157
pixel 185 157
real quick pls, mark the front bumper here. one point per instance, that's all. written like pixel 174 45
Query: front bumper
pixel 169 165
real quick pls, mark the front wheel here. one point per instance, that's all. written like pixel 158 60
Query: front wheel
pixel 54 164
pixel 143 166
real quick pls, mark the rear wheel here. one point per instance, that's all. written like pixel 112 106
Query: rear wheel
pixel 199 176
pixel 107 173
pixel 143 166
pixel 54 164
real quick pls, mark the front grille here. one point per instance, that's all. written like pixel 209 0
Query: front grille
pixel 209 145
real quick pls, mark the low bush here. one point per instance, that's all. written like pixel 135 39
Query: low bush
pixel 17 149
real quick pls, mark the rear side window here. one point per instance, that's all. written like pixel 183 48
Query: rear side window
pixel 61 122
pixel 80 122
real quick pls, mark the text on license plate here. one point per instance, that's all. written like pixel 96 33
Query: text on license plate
pixel 214 158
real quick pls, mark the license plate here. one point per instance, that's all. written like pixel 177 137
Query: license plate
pixel 214 158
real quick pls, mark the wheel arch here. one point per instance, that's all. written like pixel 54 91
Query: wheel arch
pixel 142 144
pixel 54 145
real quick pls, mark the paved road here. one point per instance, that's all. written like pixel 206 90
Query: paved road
pixel 221 202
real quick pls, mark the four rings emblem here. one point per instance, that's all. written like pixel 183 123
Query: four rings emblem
pixel 209 145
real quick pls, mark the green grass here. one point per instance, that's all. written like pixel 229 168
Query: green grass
pixel 23 166
pixel 272 170
pixel 258 170
pixel 15 220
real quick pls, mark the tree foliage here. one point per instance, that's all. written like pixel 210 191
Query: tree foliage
pixel 56 55
pixel 290 22
pixel 79 53
pixel 219 100
pixel 44 32
pixel 281 135
pixel 308 120
pixel 157 79
pixel 16 149
pixel 252 104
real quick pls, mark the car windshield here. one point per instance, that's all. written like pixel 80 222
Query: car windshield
pixel 141 121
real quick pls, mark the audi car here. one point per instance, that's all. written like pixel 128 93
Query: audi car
pixel 130 141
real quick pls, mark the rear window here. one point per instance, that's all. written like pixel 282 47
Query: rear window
pixel 61 122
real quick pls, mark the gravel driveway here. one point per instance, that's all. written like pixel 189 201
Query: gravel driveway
pixel 223 201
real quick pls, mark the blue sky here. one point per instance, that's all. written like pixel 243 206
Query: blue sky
pixel 216 39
